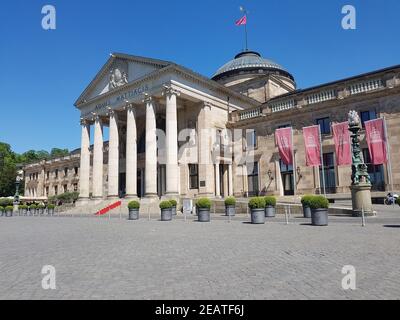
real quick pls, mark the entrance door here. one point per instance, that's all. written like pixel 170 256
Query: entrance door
pixel 161 180
pixel 287 178
pixel 139 184
pixel 122 184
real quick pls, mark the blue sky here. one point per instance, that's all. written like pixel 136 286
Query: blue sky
pixel 43 72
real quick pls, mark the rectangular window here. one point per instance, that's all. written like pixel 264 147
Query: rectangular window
pixel 47 191
pixel 56 173
pixel 330 173
pixel 75 187
pixel 367 116
pixel 55 190
pixel 375 172
pixel 48 175
pixel 65 188
pixel 252 179
pixel 251 139
pixel 324 124
pixel 193 176
pixel 76 170
pixel 65 172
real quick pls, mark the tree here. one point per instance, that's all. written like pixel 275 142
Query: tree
pixel 8 170
pixel 56 152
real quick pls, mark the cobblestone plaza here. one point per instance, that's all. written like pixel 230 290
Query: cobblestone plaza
pixel 100 258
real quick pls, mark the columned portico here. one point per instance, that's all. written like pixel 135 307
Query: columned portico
pixel 171 141
pixel 151 149
pixel 113 157
pixel 84 174
pixel 131 153
pixel 98 159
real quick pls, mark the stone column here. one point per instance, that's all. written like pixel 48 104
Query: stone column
pixel 217 181
pixel 171 142
pixel 131 153
pixel 230 182
pixel 98 159
pixel 151 149
pixel 113 157
pixel 84 174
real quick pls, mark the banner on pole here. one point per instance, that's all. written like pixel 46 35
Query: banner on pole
pixel 313 146
pixel 341 137
pixel 376 139
pixel 283 139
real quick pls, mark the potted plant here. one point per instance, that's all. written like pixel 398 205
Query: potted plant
pixel 32 209
pixel 305 201
pixel 230 206
pixel 41 208
pixel 257 208
pixel 134 207
pixel 398 201
pixel 319 210
pixel 203 209
pixel 23 209
pixel 166 210
pixel 50 209
pixel 270 204
pixel 1 211
pixel 174 204
pixel 9 211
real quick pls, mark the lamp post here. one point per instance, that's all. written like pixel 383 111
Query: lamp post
pixel 360 180
pixel 18 179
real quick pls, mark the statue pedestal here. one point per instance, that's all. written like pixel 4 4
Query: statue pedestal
pixel 361 199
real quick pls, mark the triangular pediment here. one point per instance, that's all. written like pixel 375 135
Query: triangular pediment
pixel 119 70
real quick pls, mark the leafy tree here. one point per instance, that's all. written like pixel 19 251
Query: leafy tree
pixel 56 152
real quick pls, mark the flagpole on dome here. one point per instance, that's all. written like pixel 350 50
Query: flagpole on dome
pixel 243 9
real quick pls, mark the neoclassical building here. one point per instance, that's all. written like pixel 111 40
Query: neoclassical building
pixel 154 129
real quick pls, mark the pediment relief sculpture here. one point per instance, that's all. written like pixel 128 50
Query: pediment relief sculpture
pixel 118 78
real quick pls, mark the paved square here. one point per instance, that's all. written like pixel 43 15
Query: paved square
pixel 119 259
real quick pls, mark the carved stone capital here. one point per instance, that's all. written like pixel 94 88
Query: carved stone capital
pixel 169 91
pixel 111 113
pixel 84 122
pixel 207 104
pixel 147 98
pixel 96 117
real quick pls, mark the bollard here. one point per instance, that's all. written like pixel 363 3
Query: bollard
pixel 286 215
pixel 363 216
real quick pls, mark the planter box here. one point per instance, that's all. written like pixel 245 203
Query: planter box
pixel 50 212
pixel 230 210
pixel 133 214
pixel 173 210
pixel 258 216
pixel 306 212
pixel 40 211
pixel 270 212
pixel 319 217
pixel 9 213
pixel 166 214
pixel 24 212
pixel 203 215
pixel 1 213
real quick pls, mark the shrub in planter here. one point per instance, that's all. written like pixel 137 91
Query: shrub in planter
pixel 41 208
pixel 203 209
pixel 133 208
pixel 1 211
pixel 270 204
pixel 174 204
pixel 23 209
pixel 50 209
pixel 32 209
pixel 319 210
pixel 166 210
pixel 257 208
pixel 305 201
pixel 398 201
pixel 230 206
pixel 9 211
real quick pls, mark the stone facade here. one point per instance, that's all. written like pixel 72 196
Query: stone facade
pixel 175 133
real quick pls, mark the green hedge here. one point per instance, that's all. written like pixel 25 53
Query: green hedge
pixel 203 203
pixel 257 203
pixel 319 202
pixel 305 200
pixel 68 197
pixel 134 205
pixel 165 205
pixel 5 202
pixel 270 201
pixel 173 202
pixel 230 201
pixel 398 201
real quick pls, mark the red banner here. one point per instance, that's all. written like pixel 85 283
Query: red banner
pixel 376 139
pixel 313 146
pixel 283 139
pixel 341 137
